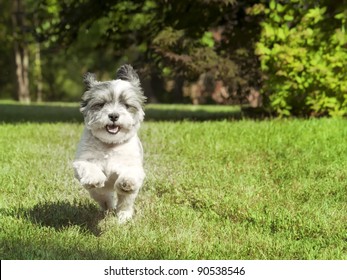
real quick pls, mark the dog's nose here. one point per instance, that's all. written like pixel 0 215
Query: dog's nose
pixel 113 117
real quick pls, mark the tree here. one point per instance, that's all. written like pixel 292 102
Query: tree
pixel 7 67
pixel 21 50
pixel 179 41
pixel 162 38
pixel 303 50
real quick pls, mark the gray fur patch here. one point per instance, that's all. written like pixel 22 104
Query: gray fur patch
pixel 127 73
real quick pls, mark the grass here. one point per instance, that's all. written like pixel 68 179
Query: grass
pixel 219 186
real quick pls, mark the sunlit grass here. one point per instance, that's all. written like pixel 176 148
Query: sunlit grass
pixel 214 190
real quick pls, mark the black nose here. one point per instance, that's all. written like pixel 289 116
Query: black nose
pixel 113 117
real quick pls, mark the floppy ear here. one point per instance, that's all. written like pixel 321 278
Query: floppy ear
pixel 127 73
pixel 89 80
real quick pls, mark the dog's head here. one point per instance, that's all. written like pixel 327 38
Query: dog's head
pixel 113 110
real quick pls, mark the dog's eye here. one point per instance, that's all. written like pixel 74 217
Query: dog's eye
pixel 127 106
pixel 98 106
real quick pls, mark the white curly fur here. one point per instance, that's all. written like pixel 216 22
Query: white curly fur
pixel 109 158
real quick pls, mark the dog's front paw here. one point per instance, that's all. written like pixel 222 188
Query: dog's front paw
pixel 124 216
pixel 125 184
pixel 93 179
pixel 89 174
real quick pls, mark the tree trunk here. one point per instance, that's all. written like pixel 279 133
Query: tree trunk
pixel 20 51
pixel 38 72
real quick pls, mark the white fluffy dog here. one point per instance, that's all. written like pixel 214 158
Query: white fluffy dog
pixel 109 159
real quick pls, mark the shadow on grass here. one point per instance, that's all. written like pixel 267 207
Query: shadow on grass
pixel 16 243
pixel 50 113
pixel 180 114
pixel 17 113
pixel 60 215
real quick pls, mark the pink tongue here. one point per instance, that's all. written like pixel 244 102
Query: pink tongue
pixel 113 129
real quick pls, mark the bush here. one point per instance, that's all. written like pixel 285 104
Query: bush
pixel 302 50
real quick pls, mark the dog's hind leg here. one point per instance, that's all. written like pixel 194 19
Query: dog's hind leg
pixel 106 199
pixel 125 206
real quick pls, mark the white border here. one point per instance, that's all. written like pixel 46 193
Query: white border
pixel 95 270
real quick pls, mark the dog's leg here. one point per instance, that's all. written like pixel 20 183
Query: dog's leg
pixel 89 174
pixel 105 198
pixel 127 187
pixel 125 206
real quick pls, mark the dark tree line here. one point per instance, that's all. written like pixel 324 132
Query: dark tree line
pixel 165 40
pixel 197 50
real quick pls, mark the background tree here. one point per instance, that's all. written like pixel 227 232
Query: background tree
pixel 293 50
pixel 21 49
pixel 165 39
pixel 7 66
pixel 303 49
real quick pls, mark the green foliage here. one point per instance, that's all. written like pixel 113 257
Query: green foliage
pixel 192 56
pixel 163 39
pixel 207 39
pixel 303 51
pixel 7 68
pixel 177 40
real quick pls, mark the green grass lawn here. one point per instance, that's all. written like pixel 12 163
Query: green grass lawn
pixel 219 186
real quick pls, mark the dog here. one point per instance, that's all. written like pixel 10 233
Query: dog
pixel 109 157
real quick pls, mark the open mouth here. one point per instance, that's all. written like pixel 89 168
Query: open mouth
pixel 112 128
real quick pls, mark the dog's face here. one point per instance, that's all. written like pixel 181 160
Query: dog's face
pixel 113 110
